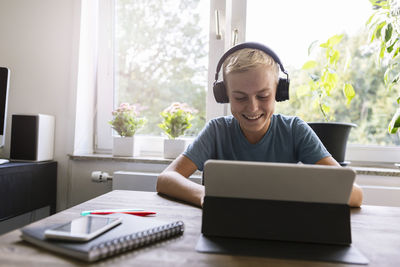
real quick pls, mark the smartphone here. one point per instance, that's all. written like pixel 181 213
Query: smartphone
pixel 83 228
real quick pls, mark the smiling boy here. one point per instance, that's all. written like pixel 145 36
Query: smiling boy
pixel 252 133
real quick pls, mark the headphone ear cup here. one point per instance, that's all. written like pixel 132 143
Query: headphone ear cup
pixel 220 93
pixel 282 92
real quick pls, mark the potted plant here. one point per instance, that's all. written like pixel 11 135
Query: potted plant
pixel 125 122
pixel 384 28
pixel 326 77
pixel 176 121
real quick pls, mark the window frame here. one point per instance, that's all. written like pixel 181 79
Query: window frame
pixel 104 98
pixel 232 15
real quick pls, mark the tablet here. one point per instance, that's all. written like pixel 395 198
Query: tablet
pixel 278 181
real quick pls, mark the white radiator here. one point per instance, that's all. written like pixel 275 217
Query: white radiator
pixel 380 190
pixel 381 195
pixel 140 181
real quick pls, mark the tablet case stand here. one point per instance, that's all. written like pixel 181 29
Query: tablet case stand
pixel 291 225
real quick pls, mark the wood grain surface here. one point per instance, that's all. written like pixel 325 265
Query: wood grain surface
pixel 375 232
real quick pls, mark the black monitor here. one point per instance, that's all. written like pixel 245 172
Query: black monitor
pixel 4 84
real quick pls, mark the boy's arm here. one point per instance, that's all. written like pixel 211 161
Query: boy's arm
pixel 174 182
pixel 356 196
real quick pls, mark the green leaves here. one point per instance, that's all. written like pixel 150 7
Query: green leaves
pixel 391 76
pixel 383 26
pixel 332 41
pixel 349 92
pixel 329 80
pixel 176 120
pixel 388 32
pixel 325 78
pixel 325 110
pixel 309 65
pixel 394 124
pixel 370 19
pixel 389 49
pixel 125 121
pixel 335 54
pixel 377 32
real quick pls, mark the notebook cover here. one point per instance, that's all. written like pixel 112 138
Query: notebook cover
pixel 282 250
pixel 130 225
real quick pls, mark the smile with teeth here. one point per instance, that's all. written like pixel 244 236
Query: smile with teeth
pixel 254 117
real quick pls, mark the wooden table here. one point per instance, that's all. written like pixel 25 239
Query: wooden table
pixel 375 230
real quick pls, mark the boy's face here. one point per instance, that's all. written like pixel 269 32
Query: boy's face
pixel 252 98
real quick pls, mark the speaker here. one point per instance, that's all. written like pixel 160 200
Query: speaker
pixel 219 89
pixel 32 137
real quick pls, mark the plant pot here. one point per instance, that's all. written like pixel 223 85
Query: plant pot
pixel 173 148
pixel 333 136
pixel 123 146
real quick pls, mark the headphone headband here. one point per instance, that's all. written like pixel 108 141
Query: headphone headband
pixel 220 92
pixel 251 45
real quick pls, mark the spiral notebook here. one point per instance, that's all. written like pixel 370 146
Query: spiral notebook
pixel 134 232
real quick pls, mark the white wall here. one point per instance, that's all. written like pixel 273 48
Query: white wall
pixel 39 43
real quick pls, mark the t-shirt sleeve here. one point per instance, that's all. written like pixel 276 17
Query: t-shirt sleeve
pixel 203 147
pixel 309 148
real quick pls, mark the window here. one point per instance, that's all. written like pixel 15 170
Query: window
pixel 161 57
pixel 292 30
pixel 373 105
pixel 166 51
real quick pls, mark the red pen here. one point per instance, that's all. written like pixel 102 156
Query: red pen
pixel 138 213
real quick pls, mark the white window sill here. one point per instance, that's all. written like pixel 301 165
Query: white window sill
pixel 146 147
pixel 109 157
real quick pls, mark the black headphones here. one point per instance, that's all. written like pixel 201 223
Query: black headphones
pixel 282 91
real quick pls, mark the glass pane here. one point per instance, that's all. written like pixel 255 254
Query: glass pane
pixel 289 27
pixel 162 57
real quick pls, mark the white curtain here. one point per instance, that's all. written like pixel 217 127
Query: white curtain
pixel 87 78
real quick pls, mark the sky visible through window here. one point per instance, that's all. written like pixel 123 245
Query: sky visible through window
pixel 289 26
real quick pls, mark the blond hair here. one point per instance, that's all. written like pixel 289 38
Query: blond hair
pixel 246 59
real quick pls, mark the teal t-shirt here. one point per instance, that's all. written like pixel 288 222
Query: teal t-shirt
pixel 288 140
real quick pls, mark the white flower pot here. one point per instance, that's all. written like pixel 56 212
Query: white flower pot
pixel 173 148
pixel 123 146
